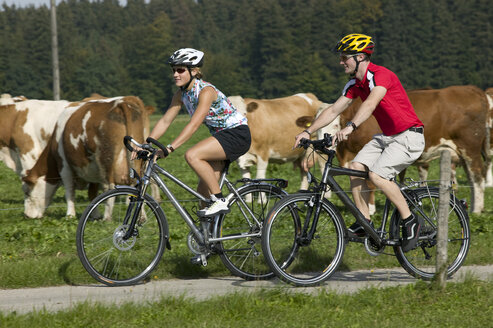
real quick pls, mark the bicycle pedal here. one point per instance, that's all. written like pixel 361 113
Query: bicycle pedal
pixel 196 260
pixel 200 259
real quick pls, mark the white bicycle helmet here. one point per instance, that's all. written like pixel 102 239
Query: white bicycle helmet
pixel 186 57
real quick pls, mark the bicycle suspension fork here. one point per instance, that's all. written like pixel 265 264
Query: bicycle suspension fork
pixel 135 205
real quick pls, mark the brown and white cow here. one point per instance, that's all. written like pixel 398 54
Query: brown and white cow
pixel 86 148
pixel 273 124
pixel 25 128
pixel 489 146
pixel 454 119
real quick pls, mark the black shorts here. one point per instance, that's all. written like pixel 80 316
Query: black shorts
pixel 235 141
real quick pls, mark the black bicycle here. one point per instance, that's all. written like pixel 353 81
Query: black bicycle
pixel 304 236
pixel 123 233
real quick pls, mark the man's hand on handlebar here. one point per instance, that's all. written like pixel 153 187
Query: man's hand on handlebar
pixel 302 135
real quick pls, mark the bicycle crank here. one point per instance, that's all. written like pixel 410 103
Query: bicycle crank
pixel 194 245
pixel 372 248
pixel 200 259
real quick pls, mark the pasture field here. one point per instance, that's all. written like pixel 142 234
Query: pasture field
pixel 42 252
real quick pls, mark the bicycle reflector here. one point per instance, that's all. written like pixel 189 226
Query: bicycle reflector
pixel 464 203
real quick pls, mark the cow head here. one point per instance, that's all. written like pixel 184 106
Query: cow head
pixel 37 195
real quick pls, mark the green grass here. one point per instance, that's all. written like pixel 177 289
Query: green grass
pixel 416 305
pixel 42 252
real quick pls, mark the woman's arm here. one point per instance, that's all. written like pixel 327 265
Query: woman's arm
pixel 206 97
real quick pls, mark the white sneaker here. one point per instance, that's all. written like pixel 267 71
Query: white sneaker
pixel 219 206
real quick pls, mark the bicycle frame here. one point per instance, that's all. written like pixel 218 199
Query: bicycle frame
pixel 328 180
pixel 153 170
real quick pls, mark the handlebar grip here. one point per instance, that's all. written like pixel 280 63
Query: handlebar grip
pixel 126 142
pixel 304 143
pixel 158 144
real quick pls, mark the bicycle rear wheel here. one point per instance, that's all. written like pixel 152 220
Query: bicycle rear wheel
pixel 421 261
pixel 243 256
pixel 292 256
pixel 105 253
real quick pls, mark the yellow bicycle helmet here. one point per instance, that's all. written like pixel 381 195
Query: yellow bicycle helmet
pixel 355 43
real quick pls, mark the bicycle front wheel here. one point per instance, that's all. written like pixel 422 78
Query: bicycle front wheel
pixel 421 261
pixel 105 251
pixel 243 256
pixel 295 256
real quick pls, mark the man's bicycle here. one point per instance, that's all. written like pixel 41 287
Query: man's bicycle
pixel 125 245
pixel 304 236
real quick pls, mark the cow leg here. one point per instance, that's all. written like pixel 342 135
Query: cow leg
pixel 156 192
pixel 69 184
pixel 108 209
pixel 474 173
pixel 244 163
pixel 489 175
pixel 372 208
pixel 92 192
pixel 261 173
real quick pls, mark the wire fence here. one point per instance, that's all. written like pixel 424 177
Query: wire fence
pixel 83 205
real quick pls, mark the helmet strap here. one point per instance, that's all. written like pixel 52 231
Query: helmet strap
pixel 185 87
pixel 353 74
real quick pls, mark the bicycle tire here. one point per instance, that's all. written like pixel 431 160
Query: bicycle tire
pixel 297 261
pixel 243 256
pixel 421 261
pixel 104 254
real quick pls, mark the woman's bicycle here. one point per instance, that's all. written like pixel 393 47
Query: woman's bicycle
pixel 304 236
pixel 125 245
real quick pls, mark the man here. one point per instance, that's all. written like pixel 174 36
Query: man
pixel 387 154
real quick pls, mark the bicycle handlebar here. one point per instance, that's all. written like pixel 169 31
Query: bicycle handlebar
pixel 320 144
pixel 128 140
pixel 150 140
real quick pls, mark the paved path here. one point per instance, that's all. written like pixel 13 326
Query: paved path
pixel 65 297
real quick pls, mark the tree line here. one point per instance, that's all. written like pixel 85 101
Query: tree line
pixel 254 48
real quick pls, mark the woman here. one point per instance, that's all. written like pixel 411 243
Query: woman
pixel 206 104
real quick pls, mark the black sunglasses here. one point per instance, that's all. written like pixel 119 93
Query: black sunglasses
pixel 179 70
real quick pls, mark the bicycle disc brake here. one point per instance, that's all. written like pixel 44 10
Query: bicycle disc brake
pixel 119 242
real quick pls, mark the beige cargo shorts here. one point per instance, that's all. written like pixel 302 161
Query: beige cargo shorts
pixel 387 156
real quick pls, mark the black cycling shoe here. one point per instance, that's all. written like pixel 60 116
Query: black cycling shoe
pixel 410 233
pixel 357 229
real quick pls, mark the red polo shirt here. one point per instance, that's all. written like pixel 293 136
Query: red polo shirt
pixel 394 113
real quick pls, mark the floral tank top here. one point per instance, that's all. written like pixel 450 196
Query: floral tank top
pixel 222 115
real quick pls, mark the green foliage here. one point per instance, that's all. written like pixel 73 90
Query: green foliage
pixel 259 49
pixel 411 306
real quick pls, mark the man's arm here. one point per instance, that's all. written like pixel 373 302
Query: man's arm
pixel 369 105
pixel 325 118
pixel 364 112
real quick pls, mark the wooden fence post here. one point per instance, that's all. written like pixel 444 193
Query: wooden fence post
pixel 443 211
